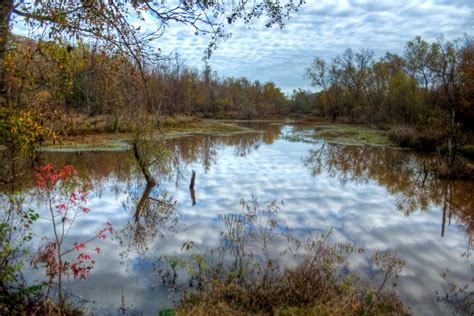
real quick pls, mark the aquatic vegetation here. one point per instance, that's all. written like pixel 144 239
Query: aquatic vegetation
pixel 244 276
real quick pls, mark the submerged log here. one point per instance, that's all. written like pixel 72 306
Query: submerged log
pixel 193 177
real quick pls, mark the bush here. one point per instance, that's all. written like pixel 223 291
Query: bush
pixel 406 136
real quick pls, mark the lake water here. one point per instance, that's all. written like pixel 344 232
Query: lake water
pixel 376 198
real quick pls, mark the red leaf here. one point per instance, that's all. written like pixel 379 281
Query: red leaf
pixel 79 246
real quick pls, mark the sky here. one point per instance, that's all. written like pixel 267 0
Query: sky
pixel 321 28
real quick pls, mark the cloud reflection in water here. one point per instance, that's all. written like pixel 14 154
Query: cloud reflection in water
pixel 371 196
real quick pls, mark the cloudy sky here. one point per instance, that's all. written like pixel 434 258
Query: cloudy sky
pixel 324 28
pixel 321 28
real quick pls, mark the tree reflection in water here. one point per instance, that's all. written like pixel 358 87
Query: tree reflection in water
pixel 98 167
pixel 406 175
pixel 152 217
pixel 403 173
pixel 204 148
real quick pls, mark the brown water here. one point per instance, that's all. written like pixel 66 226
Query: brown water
pixel 377 198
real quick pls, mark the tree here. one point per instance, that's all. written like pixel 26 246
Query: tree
pixel 355 69
pixel 65 199
pixel 6 9
pixel 20 132
pixel 329 79
pixel 110 22
pixel 403 98
pixel 419 54
pixel 274 98
pixel 304 102
pixel 467 91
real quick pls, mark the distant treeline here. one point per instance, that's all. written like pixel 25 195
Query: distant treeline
pixel 429 84
pixel 88 80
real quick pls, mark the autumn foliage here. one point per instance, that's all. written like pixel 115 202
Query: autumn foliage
pixel 66 200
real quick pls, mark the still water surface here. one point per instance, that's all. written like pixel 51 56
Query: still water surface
pixel 377 198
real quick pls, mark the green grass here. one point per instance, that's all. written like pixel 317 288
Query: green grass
pixel 353 135
pixel 348 135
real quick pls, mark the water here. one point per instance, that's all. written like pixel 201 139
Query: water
pixel 377 198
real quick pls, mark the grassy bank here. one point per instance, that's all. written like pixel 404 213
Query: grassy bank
pixel 192 125
pixel 79 125
pixel 353 135
pixel 339 133
pixel 83 138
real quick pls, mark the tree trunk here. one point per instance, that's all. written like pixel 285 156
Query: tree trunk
pixel 6 9
pixel 143 165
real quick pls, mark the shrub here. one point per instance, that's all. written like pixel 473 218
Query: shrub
pixel 406 136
